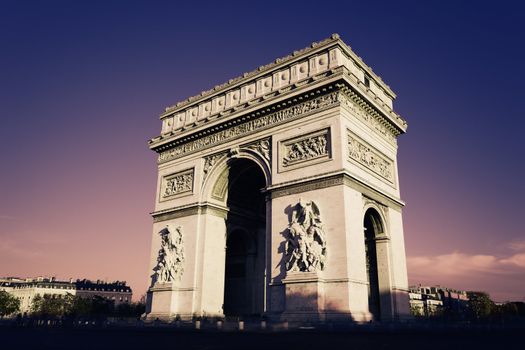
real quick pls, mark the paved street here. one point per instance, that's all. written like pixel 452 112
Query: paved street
pixel 164 338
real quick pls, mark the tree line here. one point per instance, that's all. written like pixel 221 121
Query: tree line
pixel 477 308
pixel 70 306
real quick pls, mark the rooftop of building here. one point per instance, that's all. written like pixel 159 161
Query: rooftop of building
pixel 52 282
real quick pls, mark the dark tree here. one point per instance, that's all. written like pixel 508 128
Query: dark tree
pixel 53 306
pixel 481 307
pixel 9 304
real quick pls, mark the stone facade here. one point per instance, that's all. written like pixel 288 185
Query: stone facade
pixel 284 184
pixel 27 289
pixel 429 301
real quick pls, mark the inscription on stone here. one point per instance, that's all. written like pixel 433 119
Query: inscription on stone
pixel 366 155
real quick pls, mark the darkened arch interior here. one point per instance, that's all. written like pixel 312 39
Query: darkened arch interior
pixel 245 243
pixel 373 227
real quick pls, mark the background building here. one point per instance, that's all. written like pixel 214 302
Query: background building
pixel 27 289
pixel 436 300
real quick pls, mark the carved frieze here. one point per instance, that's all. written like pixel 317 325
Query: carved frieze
pixel 369 116
pixel 305 246
pixel 250 126
pixel 176 184
pixel 170 258
pixel 366 155
pixel 314 146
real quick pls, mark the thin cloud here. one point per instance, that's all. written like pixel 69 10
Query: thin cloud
pixel 455 264
pixel 516 260
pixel 463 264
pixel 503 276
pixel 517 245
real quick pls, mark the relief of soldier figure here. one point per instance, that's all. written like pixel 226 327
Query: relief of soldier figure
pixel 305 245
pixel 306 149
pixel 170 259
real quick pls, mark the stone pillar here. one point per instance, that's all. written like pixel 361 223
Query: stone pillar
pixel 211 258
pixel 199 290
pixel 384 277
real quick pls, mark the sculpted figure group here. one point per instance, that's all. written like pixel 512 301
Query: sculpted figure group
pixel 171 256
pixel 178 184
pixel 306 241
pixel 306 149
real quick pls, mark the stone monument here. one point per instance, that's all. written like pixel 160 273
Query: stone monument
pixel 278 195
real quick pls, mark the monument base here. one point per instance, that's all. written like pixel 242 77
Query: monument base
pixel 304 301
pixel 167 302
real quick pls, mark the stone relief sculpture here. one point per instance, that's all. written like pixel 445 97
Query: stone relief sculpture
pixel 170 259
pixel 209 163
pixel 370 158
pixel 305 247
pixel 178 183
pixel 262 147
pixel 305 149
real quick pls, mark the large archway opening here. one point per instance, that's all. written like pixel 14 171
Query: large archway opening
pixel 373 227
pixel 245 244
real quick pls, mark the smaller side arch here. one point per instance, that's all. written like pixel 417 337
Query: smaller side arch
pixel 378 265
pixel 378 218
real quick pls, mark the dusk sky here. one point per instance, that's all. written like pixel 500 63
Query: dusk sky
pixel 82 84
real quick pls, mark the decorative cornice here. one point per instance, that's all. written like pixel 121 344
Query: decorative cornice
pixel 195 126
pixel 188 210
pixel 335 178
pixel 262 70
pixel 385 122
pixel 372 116
pixel 305 69
pixel 248 124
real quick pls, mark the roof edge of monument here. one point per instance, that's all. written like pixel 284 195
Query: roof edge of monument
pixel 279 62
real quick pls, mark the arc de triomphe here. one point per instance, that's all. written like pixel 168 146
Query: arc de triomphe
pixel 278 195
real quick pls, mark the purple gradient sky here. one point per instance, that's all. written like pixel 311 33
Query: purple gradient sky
pixel 82 84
